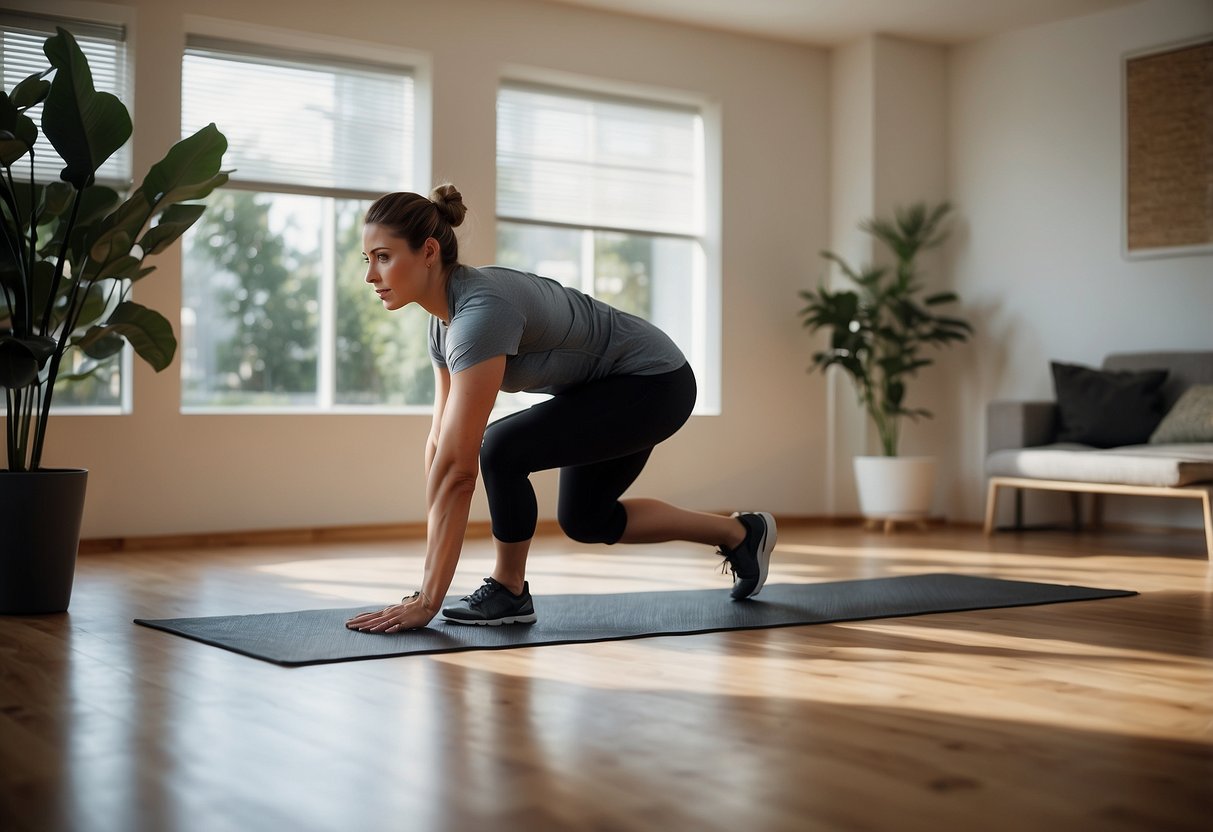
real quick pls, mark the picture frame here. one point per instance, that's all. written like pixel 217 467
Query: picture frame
pixel 1167 177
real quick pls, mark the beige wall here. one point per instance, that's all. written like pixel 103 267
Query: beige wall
pixel 156 471
pixel 1021 131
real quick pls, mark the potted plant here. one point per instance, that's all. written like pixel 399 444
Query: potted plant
pixel 69 254
pixel 878 334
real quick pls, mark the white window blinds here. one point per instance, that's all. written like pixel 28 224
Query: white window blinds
pixel 307 122
pixel 597 161
pixel 21 55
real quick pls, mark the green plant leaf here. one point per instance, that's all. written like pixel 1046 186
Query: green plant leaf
pixel 96 201
pixel 42 346
pixel 54 201
pixel 17 131
pixel 16 141
pixel 122 268
pixel 15 352
pixel 18 363
pixel 84 126
pixel 148 332
pixel 40 284
pixel 842 264
pixel 8 113
pixel 100 343
pixel 940 297
pixel 10 271
pixel 128 219
pixel 174 222
pixel 93 305
pixel 190 170
pixel 32 90
pixel 110 247
pixel 83 374
pixel 955 323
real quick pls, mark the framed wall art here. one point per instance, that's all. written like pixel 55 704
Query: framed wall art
pixel 1168 150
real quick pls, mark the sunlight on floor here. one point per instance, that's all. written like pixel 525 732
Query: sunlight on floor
pixel 907 664
pixel 917 668
pixel 370 578
pixel 359 579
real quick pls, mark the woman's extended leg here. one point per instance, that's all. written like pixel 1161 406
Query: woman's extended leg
pixel 652 521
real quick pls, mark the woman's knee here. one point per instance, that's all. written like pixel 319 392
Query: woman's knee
pixel 593 527
pixel 498 455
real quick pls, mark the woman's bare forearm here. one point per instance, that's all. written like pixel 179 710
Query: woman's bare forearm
pixel 452 465
pixel 449 497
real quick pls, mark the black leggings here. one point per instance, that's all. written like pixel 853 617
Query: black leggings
pixel 599 435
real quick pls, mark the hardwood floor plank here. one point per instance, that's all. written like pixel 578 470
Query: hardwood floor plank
pixel 1089 715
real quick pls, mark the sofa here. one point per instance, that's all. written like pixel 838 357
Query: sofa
pixel 1031 444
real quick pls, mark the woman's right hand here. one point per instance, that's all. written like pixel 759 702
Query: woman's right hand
pixel 412 613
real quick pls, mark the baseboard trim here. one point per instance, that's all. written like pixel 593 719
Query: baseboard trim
pixel 361 533
pixel 480 529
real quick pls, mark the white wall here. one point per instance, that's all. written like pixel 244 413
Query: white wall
pixel 1036 172
pixel 159 472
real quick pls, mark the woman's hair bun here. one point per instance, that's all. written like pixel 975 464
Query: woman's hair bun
pixel 449 203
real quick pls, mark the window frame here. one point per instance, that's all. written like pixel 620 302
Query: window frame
pixel 294 45
pixel 708 347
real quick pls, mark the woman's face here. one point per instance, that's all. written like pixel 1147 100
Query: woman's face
pixel 396 273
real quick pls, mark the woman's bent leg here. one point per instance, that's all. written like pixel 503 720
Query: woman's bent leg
pixel 652 521
pixel 510 570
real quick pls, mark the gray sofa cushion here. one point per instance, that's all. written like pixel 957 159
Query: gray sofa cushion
pixel 1183 369
pixel 1191 420
pixel 1156 465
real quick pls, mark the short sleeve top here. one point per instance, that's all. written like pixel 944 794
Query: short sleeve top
pixel 554 337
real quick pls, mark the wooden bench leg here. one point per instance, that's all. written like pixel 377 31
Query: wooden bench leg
pixel 1208 509
pixel 991 505
pixel 1097 510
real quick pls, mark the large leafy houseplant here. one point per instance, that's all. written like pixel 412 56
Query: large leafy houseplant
pixel 72 249
pixel 879 330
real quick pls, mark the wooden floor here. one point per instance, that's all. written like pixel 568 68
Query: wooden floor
pixel 1095 715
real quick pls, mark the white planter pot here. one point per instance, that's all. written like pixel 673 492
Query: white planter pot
pixel 895 487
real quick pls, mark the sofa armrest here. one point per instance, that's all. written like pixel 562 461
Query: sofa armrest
pixel 1019 424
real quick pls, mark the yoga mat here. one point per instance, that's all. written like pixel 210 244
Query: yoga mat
pixel 319 636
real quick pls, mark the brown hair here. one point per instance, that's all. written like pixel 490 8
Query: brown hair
pixel 414 218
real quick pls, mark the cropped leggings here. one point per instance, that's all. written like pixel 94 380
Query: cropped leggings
pixel 599 435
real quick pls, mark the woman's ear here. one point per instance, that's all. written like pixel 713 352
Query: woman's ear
pixel 433 250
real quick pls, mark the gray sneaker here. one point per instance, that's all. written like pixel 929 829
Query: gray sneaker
pixel 494 605
pixel 751 561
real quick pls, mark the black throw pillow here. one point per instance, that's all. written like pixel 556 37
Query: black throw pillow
pixel 1107 408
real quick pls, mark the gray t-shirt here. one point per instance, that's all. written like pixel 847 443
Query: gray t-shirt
pixel 554 338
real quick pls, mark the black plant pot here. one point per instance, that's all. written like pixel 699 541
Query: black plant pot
pixel 40 514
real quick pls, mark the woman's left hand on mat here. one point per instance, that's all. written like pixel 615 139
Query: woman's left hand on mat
pixel 409 614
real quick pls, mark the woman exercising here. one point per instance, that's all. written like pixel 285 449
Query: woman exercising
pixel 619 386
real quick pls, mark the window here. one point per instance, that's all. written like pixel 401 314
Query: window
pixel 607 194
pixel 102 384
pixel 275 311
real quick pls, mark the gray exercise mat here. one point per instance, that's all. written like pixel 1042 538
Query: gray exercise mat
pixel 319 636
